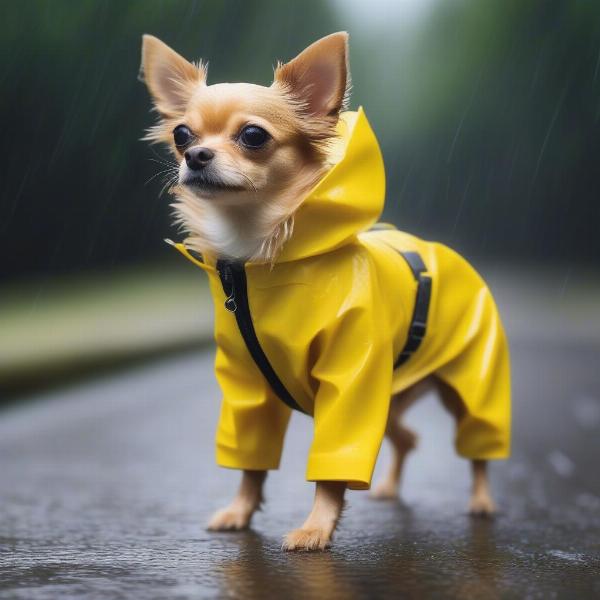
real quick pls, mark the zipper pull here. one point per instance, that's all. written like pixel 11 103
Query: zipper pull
pixel 230 303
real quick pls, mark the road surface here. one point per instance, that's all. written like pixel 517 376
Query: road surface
pixel 105 488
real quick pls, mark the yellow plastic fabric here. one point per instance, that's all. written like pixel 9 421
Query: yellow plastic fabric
pixel 332 315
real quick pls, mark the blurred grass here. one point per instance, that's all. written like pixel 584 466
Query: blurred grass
pixel 63 328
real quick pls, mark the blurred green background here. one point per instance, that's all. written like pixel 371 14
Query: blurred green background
pixel 487 113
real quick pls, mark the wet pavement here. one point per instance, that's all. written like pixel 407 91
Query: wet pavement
pixel 105 489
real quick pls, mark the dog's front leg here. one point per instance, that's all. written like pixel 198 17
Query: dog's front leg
pixel 239 513
pixel 317 531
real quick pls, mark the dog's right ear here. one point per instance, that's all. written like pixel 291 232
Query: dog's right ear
pixel 170 78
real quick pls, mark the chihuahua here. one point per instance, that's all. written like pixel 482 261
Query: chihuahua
pixel 247 156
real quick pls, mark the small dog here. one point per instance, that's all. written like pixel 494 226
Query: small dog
pixel 317 309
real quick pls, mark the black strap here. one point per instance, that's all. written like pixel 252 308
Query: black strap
pixel 233 280
pixel 235 286
pixel 418 323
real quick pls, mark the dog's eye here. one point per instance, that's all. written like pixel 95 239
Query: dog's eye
pixel 182 136
pixel 253 136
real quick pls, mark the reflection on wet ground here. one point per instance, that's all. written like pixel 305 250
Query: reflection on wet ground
pixel 105 489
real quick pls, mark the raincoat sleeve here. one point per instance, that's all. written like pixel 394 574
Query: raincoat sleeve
pixel 354 372
pixel 253 422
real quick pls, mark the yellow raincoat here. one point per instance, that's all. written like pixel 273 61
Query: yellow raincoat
pixel 331 318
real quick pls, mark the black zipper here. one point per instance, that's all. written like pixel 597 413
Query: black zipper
pixel 235 286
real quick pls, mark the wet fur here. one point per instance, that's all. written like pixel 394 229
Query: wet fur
pixel 298 112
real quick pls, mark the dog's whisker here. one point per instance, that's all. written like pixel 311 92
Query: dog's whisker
pixel 165 162
pixel 169 170
pixel 247 179
pixel 159 158
pixel 169 183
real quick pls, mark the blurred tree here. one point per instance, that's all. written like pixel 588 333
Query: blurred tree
pixel 72 193
pixel 488 115
pixel 489 121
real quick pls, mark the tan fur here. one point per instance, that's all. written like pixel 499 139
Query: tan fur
pixel 299 111
pixel 317 531
pixel 248 500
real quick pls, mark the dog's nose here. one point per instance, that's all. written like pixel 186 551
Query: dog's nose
pixel 198 157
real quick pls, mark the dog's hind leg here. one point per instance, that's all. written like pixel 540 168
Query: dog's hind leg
pixel 239 513
pixel 402 440
pixel 481 503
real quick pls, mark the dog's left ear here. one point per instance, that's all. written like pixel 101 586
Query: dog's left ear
pixel 319 77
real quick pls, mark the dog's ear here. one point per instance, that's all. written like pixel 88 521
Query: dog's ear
pixel 319 77
pixel 170 78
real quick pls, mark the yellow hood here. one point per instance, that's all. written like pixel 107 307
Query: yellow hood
pixel 348 200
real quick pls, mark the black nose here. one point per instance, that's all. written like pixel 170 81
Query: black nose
pixel 197 158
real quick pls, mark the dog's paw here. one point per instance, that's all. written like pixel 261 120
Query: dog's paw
pixel 229 519
pixel 306 540
pixel 482 505
pixel 384 490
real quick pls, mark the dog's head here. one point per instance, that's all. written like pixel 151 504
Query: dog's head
pixel 247 150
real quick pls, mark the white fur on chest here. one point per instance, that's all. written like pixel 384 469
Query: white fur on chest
pixel 224 236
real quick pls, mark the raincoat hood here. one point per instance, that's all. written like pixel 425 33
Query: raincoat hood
pixel 348 199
